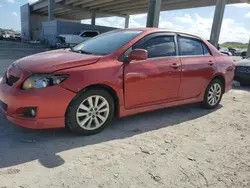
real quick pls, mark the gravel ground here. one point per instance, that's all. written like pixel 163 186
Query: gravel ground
pixel 181 147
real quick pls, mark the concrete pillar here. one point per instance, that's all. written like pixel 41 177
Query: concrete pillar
pixel 93 17
pixel 217 22
pixel 25 22
pixel 51 7
pixel 248 49
pixel 126 22
pixel 154 10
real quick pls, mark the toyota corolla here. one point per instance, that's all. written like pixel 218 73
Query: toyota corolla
pixel 115 74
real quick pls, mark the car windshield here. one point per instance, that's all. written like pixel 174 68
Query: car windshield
pixel 107 43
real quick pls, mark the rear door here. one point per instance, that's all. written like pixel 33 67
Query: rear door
pixel 156 79
pixel 198 66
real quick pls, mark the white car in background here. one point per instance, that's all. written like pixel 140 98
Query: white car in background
pixel 74 39
pixel 225 51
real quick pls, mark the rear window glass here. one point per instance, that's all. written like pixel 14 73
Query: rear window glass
pixel 189 46
pixel 206 50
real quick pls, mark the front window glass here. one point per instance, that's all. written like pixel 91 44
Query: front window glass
pixel 159 46
pixel 107 43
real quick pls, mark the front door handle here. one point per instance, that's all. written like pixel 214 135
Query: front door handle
pixel 211 63
pixel 175 65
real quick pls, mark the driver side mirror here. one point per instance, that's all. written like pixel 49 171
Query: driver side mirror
pixel 137 54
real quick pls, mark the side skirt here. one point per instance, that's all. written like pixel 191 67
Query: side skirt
pixel 126 112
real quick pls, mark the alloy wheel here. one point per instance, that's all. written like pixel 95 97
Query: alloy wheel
pixel 214 94
pixel 93 112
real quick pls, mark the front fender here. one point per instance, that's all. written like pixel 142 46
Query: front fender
pixel 110 75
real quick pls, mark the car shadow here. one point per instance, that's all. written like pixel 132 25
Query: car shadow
pixel 18 145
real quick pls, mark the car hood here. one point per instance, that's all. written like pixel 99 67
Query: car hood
pixel 52 61
pixel 244 62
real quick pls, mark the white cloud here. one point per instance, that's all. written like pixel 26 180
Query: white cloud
pixel 241 5
pixel 32 1
pixel 14 14
pixel 185 19
pixel 139 16
pixel 11 1
pixel 167 25
pixel 195 24
pixel 248 15
pixel 201 26
pixel 118 22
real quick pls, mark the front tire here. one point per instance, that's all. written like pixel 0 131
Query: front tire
pixel 90 112
pixel 213 94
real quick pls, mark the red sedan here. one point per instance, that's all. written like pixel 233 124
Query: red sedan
pixel 116 74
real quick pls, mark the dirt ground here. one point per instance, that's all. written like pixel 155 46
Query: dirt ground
pixel 181 147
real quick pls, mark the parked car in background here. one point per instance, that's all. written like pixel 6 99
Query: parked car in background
pixel 242 71
pixel 6 35
pixel 244 54
pixel 116 74
pixel 10 35
pixel 225 51
pixel 18 36
pixel 232 50
pixel 238 52
pixel 74 39
pixel 1 35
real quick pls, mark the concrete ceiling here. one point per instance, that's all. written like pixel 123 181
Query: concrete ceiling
pixel 83 9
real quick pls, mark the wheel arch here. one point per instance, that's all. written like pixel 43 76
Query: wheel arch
pixel 108 89
pixel 222 79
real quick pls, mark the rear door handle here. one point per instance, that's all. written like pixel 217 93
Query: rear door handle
pixel 175 65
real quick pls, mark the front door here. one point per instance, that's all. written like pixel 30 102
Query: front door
pixel 157 79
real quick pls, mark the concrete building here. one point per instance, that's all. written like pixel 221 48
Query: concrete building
pixel 46 11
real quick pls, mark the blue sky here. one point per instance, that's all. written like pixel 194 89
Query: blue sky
pixel 235 27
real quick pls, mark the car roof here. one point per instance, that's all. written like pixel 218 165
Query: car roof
pixel 155 30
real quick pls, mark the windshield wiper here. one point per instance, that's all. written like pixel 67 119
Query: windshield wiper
pixel 80 51
pixel 84 52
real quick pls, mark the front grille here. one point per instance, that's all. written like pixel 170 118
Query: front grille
pixel 3 106
pixel 243 69
pixel 11 80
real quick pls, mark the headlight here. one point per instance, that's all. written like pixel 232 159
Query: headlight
pixel 42 81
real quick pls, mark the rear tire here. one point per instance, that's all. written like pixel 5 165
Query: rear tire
pixel 90 112
pixel 213 94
